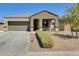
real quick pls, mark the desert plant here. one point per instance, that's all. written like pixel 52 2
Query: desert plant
pixel 45 39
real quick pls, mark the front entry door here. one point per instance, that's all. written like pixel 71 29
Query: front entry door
pixel 35 24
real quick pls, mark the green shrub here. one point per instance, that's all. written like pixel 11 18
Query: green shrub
pixel 46 40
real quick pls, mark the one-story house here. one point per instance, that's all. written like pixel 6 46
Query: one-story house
pixel 43 20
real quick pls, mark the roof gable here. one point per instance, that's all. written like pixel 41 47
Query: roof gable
pixel 44 11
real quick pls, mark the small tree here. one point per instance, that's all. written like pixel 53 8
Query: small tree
pixel 73 17
pixel 76 18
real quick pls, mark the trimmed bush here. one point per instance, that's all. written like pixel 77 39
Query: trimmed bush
pixel 45 39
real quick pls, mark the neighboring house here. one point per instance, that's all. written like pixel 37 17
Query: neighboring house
pixel 1 26
pixel 43 20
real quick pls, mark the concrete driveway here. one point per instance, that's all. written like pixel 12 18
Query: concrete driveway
pixel 14 43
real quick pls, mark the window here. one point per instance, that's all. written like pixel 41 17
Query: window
pixel 45 24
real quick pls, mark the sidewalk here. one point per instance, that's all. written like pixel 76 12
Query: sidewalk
pixel 60 53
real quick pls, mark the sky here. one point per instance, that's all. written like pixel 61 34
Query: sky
pixel 9 9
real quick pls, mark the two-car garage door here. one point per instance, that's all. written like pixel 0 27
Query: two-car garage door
pixel 18 25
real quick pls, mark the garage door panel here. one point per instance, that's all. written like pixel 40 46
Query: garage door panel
pixel 18 23
pixel 18 26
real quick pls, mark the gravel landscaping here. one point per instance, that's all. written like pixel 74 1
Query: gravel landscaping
pixel 60 44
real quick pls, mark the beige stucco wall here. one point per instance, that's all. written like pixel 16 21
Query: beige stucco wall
pixel 67 27
pixel 1 27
